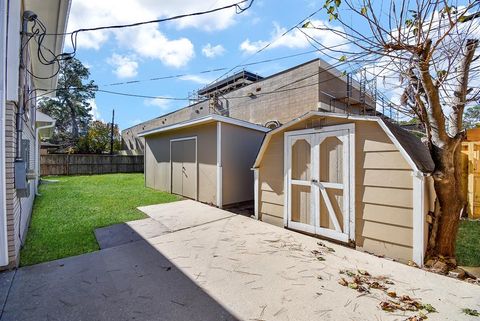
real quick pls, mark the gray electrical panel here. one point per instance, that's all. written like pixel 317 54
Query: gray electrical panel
pixel 21 168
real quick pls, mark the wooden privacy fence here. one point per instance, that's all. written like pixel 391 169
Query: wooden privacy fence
pixel 75 164
pixel 471 171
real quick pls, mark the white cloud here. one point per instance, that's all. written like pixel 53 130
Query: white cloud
pixel 197 79
pixel 163 104
pixel 125 67
pixel 94 111
pixel 210 51
pixel 148 41
pixel 295 39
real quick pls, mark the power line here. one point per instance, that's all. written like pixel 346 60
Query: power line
pixel 166 77
pixel 276 91
pixel 207 71
pixel 236 5
pixel 39 32
pixel 266 46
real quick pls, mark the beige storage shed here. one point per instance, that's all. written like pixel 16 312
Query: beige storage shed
pixel 194 158
pixel 358 180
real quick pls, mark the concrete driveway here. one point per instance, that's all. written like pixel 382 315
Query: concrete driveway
pixel 207 264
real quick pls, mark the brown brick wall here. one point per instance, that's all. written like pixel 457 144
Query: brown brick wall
pixel 18 209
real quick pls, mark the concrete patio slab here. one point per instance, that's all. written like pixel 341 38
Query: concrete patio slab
pixel 129 282
pixel 123 233
pixel 184 214
pixel 6 279
pixel 262 272
pixel 227 267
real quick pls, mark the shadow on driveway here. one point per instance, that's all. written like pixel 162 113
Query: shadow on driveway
pixel 128 282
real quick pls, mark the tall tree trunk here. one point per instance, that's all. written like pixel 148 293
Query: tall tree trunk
pixel 74 121
pixel 447 183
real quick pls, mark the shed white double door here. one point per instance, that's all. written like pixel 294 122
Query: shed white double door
pixel 319 182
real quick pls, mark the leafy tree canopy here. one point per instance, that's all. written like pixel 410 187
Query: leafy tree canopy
pixel 71 107
pixel 97 139
pixel 471 118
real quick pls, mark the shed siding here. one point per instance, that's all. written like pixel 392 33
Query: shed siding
pixel 157 160
pixel 240 146
pixel 383 188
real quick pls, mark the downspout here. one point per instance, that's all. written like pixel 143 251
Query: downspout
pixel 21 87
pixel 37 154
pixel 27 17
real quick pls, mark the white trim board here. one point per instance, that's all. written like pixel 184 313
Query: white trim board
pixel 341 116
pixel 418 254
pixel 3 207
pixel 256 192
pixel 205 120
pixel 219 166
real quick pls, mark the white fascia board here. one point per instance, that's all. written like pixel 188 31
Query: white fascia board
pixel 12 65
pixel 341 116
pixel 204 120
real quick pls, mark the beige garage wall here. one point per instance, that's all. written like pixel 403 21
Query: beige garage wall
pixel 240 147
pixel 157 160
pixel 383 188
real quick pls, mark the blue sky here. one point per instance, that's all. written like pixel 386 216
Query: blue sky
pixel 220 40
pixel 189 46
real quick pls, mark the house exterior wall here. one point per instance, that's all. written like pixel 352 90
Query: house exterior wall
pixel 240 146
pixel 18 209
pixel 383 189
pixel 280 97
pixel 157 160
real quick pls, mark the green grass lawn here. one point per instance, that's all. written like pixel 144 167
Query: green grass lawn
pixel 468 243
pixel 67 213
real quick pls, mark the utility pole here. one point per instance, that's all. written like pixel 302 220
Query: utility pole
pixel 111 132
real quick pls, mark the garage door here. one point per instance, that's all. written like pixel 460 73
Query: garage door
pixel 184 167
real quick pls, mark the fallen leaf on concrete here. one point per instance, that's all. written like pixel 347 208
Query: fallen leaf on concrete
pixel 412 264
pixel 419 317
pixel 363 272
pixel 362 281
pixel 471 312
pixel 392 294
pixel 389 306
pixel 429 308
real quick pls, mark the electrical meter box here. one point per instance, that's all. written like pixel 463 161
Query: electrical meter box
pixel 21 168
